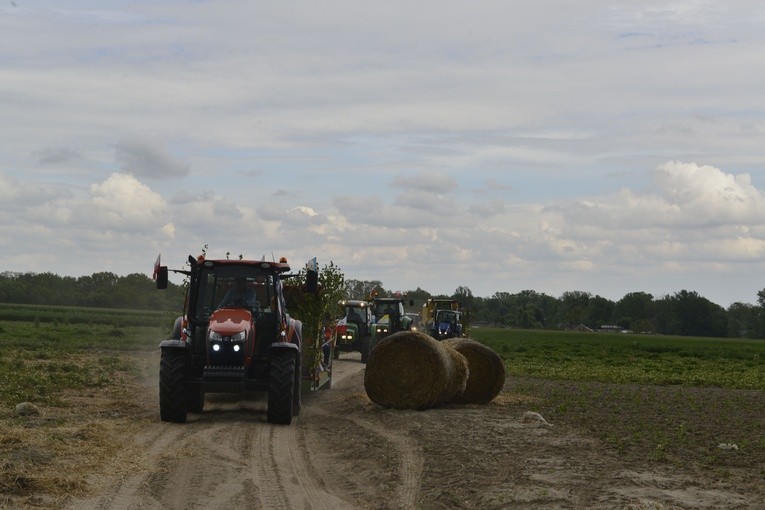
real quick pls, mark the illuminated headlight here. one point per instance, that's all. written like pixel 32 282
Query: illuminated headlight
pixel 382 329
pixel 239 337
pixel 216 347
pixel 236 347
pixel 215 336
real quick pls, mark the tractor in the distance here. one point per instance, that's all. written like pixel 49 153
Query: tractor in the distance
pixel 354 330
pixel 441 318
pixel 389 317
pixel 235 335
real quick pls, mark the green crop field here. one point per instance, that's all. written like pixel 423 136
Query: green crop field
pixel 629 358
pixel 670 399
pixel 45 351
pixel 82 315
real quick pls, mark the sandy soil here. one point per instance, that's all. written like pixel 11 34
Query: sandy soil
pixel 345 452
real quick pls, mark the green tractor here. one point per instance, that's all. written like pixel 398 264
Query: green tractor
pixel 388 317
pixel 354 330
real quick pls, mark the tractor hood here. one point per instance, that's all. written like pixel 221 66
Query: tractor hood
pixel 229 321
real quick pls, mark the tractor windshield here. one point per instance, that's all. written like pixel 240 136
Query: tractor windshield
pixel 446 316
pixel 385 311
pixel 235 287
pixel 356 314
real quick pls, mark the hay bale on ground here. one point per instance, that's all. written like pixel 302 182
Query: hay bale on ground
pixel 486 375
pixel 410 370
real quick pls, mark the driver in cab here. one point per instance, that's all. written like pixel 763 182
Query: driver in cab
pixel 240 295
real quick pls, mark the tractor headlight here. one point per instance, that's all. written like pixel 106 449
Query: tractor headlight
pixel 236 347
pixel 239 337
pixel 215 336
pixel 216 347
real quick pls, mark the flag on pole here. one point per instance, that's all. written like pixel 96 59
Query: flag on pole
pixel 156 268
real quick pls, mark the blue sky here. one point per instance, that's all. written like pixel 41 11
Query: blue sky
pixel 606 147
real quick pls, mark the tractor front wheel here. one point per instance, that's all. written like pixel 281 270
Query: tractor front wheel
pixel 172 385
pixel 365 349
pixel 281 385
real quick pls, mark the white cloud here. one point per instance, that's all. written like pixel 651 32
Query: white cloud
pixel 122 201
pixel 506 147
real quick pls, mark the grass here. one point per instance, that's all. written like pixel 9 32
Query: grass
pixel 82 315
pixel 40 360
pixel 655 398
pixel 84 376
pixel 628 358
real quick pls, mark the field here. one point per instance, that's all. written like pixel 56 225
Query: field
pixel 663 398
pixel 650 404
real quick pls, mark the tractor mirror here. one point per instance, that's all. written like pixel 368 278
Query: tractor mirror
pixel 312 281
pixel 162 277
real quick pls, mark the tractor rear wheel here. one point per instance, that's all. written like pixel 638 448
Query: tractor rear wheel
pixel 281 385
pixel 297 402
pixel 172 385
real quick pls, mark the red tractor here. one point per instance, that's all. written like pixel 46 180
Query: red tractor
pixel 235 335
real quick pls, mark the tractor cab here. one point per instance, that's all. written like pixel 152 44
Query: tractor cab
pixel 388 317
pixel 354 329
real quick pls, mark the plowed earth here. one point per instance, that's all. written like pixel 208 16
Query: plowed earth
pixel 345 452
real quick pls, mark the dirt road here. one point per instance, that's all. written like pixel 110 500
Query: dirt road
pixel 227 457
pixel 345 452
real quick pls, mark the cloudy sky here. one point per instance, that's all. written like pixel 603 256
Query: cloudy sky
pixel 606 147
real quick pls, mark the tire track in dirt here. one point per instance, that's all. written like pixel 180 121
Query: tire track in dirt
pixel 227 456
pixel 130 486
pixel 410 463
pixel 283 474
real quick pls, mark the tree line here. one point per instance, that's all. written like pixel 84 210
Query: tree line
pixel 104 290
pixel 682 313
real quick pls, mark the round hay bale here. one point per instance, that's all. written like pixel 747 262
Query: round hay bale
pixel 461 373
pixel 410 370
pixel 486 374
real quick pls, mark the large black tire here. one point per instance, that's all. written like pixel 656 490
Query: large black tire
pixel 195 398
pixel 297 394
pixel 172 385
pixel 281 385
pixel 365 349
